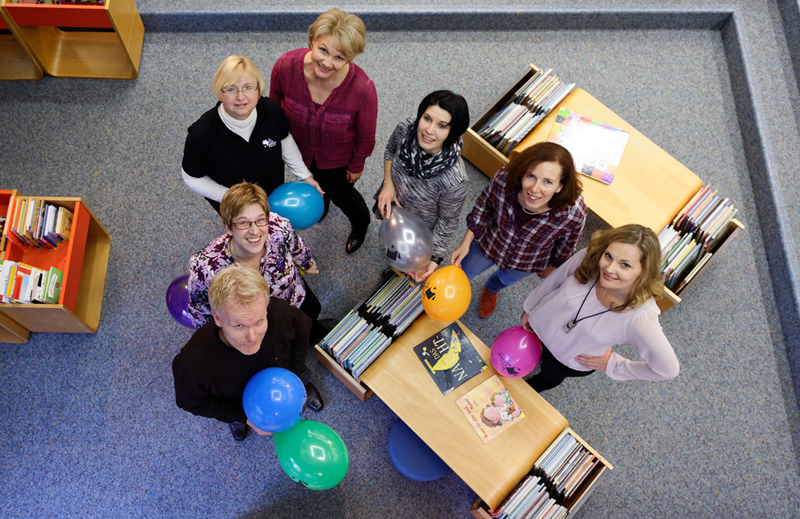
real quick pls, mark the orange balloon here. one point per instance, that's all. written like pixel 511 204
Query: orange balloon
pixel 446 294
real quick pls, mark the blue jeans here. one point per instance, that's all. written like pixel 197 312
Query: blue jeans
pixel 476 262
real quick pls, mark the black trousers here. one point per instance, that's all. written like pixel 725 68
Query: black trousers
pixel 312 308
pixel 344 194
pixel 553 373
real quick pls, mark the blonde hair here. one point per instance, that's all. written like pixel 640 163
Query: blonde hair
pixel 231 70
pixel 347 28
pixel 650 283
pixel 237 285
pixel 238 197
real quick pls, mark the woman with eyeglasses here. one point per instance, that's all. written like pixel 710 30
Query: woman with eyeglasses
pixel 244 137
pixel 261 240
pixel 332 109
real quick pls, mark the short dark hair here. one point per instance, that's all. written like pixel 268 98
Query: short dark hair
pixel 451 103
pixel 527 160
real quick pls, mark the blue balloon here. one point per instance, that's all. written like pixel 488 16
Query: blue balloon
pixel 298 202
pixel 273 399
pixel 178 301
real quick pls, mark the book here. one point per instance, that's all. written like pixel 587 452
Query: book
pixel 53 288
pixel 450 358
pixel 596 147
pixel 490 409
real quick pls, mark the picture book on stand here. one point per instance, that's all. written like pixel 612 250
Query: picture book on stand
pixel 450 358
pixel 596 147
pixel 490 409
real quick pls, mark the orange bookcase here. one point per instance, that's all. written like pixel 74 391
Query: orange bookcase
pixel 84 260
pixel 107 42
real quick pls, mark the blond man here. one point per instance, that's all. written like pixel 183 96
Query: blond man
pixel 249 332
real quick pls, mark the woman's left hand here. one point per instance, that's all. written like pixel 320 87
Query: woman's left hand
pixel 313 183
pixel 353 177
pixel 425 272
pixel 597 363
pixel 312 269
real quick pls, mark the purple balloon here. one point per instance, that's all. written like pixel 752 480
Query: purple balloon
pixel 516 352
pixel 178 301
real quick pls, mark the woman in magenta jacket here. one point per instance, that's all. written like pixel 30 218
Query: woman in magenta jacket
pixel 332 109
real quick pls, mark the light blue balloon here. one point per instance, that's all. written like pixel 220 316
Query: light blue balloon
pixel 298 202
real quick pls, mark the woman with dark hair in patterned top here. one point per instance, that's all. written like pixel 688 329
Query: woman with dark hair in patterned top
pixel 423 170
pixel 528 219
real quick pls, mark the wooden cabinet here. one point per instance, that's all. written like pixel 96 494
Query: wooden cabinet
pixel 650 186
pixel 78 40
pixel 84 260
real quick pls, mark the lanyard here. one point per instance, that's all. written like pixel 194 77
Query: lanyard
pixel 574 322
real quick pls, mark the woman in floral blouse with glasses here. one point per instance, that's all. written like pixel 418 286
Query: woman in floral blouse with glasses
pixel 258 239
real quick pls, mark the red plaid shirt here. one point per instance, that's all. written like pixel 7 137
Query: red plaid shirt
pixel 547 238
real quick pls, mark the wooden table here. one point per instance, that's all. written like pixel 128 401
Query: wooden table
pixel 649 188
pixel 493 469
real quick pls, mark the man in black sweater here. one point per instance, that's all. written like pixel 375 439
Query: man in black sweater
pixel 250 332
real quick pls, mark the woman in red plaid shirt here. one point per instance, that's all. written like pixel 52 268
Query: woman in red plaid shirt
pixel 528 219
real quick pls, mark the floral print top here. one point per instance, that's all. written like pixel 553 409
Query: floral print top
pixel 285 259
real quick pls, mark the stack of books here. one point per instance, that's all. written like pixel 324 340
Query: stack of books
pixel 531 103
pixel 38 224
pixel 690 240
pixel 365 332
pixel 23 283
pixel 564 467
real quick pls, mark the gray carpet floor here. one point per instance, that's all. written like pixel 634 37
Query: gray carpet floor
pixel 88 424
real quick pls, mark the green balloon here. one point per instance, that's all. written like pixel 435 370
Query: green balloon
pixel 313 454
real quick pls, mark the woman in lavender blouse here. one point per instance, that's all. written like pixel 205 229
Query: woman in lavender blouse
pixel 602 296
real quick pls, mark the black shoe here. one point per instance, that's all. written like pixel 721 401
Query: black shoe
pixel 327 201
pixel 314 399
pixel 321 328
pixel 355 240
pixel 238 430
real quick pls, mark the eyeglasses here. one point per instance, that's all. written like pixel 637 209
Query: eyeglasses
pixel 243 225
pixel 232 91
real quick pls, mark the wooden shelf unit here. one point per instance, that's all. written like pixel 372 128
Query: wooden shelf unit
pixel 632 197
pixel 16 62
pixel 83 259
pixel 481 510
pixel 106 43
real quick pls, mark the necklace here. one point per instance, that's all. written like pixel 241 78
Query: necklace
pixel 531 212
pixel 574 322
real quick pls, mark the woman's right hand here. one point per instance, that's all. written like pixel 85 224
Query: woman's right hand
pixel 525 322
pixel 386 197
pixel 459 254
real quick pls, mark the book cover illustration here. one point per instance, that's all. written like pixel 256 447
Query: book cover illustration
pixel 450 358
pixel 596 147
pixel 490 409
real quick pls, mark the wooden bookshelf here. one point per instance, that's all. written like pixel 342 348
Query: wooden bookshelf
pixel 16 62
pixel 102 41
pixel 650 186
pixel 84 260
pixel 481 510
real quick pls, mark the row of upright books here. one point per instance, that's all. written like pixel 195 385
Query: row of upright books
pixel 558 475
pixel 365 332
pixel 532 102
pixel 22 283
pixel 689 242
pixel 37 223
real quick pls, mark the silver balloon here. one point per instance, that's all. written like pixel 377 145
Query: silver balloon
pixel 405 240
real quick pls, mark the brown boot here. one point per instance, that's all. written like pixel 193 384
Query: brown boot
pixel 487 303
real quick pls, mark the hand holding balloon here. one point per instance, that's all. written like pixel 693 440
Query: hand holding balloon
pixel 257 430
pixel 525 322
pixel 313 183
pixel 273 400
pixel 425 272
pixel 298 202
pixel 386 198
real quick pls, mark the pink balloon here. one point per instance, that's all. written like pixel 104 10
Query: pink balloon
pixel 516 352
